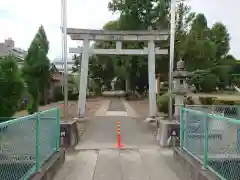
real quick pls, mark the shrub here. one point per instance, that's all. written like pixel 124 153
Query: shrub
pixel 98 91
pixel 72 96
pixel 225 101
pixel 59 95
pixel 163 90
pixel 206 100
pixel 203 80
pixel 188 100
pixel 94 87
pixel 163 103
pixel 209 83
pixel 128 95
pixel 32 106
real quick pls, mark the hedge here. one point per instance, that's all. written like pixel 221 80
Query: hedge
pixel 162 103
pixel 206 100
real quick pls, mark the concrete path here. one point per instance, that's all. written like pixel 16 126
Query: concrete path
pixel 96 157
pixel 116 105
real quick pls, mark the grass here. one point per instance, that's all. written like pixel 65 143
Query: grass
pixel 41 108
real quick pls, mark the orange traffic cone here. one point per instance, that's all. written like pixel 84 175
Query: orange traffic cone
pixel 119 144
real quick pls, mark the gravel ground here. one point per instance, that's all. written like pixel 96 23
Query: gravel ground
pixel 141 107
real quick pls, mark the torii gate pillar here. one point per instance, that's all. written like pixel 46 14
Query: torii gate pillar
pixel 151 79
pixel 83 78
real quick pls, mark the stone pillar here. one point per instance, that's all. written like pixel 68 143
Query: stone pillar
pixel 151 78
pixel 83 78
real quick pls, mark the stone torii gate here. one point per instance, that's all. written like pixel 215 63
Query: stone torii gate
pixel 87 35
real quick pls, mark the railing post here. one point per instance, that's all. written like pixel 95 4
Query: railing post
pixel 58 130
pixel 181 126
pixel 206 134
pixel 38 142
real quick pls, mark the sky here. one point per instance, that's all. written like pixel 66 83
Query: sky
pixel 20 19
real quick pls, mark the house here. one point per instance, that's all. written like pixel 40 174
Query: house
pixel 57 82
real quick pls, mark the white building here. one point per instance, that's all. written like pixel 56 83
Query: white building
pixel 8 48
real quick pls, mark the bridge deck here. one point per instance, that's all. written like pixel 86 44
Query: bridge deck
pixel 96 157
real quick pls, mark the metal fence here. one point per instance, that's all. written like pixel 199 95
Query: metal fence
pixel 26 143
pixel 231 111
pixel 212 136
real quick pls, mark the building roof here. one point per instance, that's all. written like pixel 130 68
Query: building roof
pixel 58 62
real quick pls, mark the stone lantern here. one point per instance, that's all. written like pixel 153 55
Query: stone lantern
pixel 180 87
pixel 169 128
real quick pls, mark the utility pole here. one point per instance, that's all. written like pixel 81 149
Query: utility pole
pixel 64 50
pixel 171 62
pixel 62 57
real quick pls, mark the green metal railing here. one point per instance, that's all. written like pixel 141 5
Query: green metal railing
pixel 212 139
pixel 231 111
pixel 26 143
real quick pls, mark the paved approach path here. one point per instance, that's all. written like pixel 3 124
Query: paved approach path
pixel 96 157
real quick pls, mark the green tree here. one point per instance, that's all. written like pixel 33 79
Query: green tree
pixel 36 69
pixel 139 15
pixel 12 86
pixel 198 45
pixel 77 63
pixel 235 69
pixel 200 50
pixel 223 61
pixel 184 20
pixel 221 38
pixel 102 67
pixel 45 80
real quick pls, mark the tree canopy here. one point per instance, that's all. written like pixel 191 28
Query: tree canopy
pixel 36 68
pixel 203 48
pixel 12 86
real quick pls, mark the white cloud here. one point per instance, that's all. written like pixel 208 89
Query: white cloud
pixel 21 19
